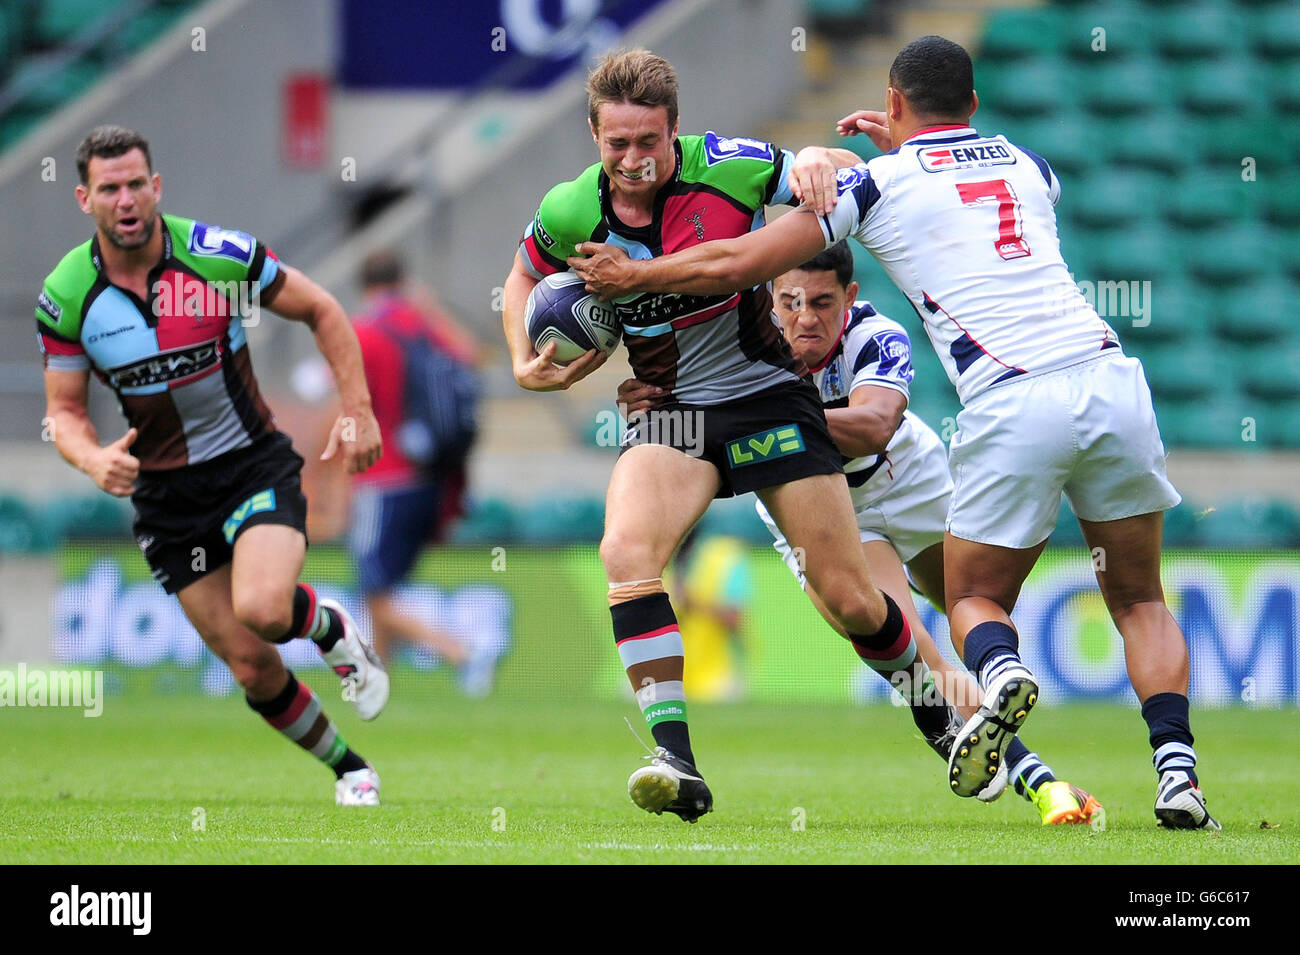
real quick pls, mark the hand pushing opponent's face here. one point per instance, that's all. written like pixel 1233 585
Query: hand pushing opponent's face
pixel 810 307
pixel 122 196
pixel 636 147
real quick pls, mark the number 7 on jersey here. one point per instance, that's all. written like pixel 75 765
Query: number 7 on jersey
pixel 1010 242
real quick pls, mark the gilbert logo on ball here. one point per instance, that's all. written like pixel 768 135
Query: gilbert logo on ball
pixel 561 310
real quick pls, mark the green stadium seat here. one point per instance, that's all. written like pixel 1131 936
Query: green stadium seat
pixel 68 82
pixel 1250 524
pixel 562 520
pixel 1026 88
pixel 1222 86
pixel 1157 142
pixel 1208 200
pixel 1289 252
pixel 145 27
pixel 1202 423
pixel 1146 251
pixel 1278 424
pixel 1020 34
pixel 1272 372
pixel 838 8
pixel 488 521
pixel 1198 33
pixel 1240 252
pixel 1068 141
pixel 1228 143
pixel 1284 88
pixel 1276 32
pixel 17 123
pixel 1127 35
pixel 1260 311
pixel 58 21
pixel 94 516
pixel 1179 311
pixel 1187 371
pixel 1111 200
pixel 1109 87
pixel 1282 206
pixel 21 531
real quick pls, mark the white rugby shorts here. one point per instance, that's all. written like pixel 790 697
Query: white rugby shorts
pixel 904 505
pixel 1088 430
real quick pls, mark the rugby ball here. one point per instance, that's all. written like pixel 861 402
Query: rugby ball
pixel 561 310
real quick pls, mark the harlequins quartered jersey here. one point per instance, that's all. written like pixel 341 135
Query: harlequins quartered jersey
pixel 702 349
pixel 179 361
pixel 872 350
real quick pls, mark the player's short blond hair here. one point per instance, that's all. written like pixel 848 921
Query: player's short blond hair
pixel 632 76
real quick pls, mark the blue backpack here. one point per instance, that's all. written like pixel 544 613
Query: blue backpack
pixel 439 405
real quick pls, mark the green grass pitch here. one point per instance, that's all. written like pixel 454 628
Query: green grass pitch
pixel 179 779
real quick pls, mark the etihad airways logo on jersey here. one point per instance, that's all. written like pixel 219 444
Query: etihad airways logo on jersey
pixel 170 366
pixel 660 307
pixel 943 158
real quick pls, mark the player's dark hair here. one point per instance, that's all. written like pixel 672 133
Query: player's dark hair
pixel 382 267
pixel 936 77
pixel 109 142
pixel 632 76
pixel 838 259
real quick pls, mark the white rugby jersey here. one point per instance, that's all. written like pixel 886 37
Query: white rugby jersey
pixel 872 350
pixel 964 224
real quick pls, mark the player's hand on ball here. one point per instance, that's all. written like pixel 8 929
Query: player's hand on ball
pixel 114 468
pixel 636 396
pixel 606 269
pixel 358 436
pixel 542 374
pixel 812 179
pixel 873 122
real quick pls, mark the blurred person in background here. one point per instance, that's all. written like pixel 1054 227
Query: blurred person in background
pixel 711 588
pixel 156 304
pixel 420 362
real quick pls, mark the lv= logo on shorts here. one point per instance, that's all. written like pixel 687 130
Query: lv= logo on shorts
pixel 765 446
pixel 261 501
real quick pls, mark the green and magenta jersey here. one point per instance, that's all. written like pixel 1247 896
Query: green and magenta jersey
pixel 702 349
pixel 178 361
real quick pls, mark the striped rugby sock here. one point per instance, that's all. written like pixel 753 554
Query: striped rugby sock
pixel 1026 770
pixel 650 646
pixel 313 621
pixel 1168 719
pixel 990 648
pixel 891 652
pixel 297 714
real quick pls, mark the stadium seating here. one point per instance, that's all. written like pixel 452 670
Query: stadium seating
pixel 34 33
pixel 1149 138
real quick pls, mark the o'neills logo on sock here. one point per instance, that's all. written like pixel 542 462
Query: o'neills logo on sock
pixel 103 908
pixel 669 710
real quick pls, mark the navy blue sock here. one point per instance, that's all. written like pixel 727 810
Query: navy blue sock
pixel 988 646
pixel 1028 772
pixel 1171 733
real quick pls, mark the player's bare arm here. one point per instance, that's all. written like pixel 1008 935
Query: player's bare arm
pixel 537 372
pixel 812 176
pixel 868 424
pixel 710 268
pixel 302 300
pixel 112 467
